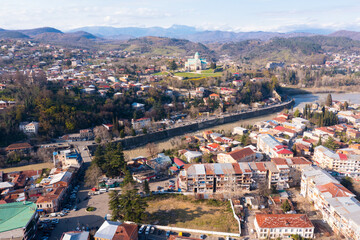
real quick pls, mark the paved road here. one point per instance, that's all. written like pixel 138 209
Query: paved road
pixel 82 218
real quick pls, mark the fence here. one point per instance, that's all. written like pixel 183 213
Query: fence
pixel 176 229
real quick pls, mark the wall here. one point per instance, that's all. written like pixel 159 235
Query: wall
pixel 140 140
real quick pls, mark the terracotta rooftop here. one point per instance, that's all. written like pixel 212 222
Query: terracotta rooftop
pixel 241 153
pixel 18 146
pixel 335 189
pixel 283 220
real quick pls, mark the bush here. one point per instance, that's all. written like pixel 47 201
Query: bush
pixel 90 209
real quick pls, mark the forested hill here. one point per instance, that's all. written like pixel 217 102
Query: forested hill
pixel 165 46
pixel 298 49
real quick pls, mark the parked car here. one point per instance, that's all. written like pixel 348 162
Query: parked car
pixel 168 233
pixel 147 231
pixel 141 229
pixel 203 236
pixel 152 230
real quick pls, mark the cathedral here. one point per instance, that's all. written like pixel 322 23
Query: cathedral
pixel 196 63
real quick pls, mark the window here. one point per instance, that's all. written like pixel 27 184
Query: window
pixel 271 230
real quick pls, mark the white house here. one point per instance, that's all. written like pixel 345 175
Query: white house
pixel 29 128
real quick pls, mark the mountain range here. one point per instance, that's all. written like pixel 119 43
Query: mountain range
pixel 176 31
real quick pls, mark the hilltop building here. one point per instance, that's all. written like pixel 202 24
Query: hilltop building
pixel 196 63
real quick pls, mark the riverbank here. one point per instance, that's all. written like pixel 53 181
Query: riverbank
pixel 298 91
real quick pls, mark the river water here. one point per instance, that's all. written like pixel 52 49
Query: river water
pixel 301 100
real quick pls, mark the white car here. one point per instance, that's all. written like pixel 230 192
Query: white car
pixel 147 231
pixel 141 229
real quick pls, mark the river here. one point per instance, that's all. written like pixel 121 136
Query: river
pixel 302 99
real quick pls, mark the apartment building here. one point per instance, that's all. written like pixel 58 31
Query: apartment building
pixel 290 170
pixel 215 177
pixel 345 162
pixel 271 226
pixel 230 177
pixel 338 205
pixel 272 147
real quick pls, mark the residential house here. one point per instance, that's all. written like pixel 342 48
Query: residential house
pixel 117 230
pixel 29 128
pixel 50 202
pixel 238 155
pixel 75 235
pixel 191 156
pixel 139 124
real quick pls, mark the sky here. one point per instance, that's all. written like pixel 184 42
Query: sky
pixel 226 15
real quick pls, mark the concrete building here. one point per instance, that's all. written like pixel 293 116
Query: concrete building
pixel 67 158
pixel 272 147
pixel 271 226
pixel 338 206
pixel 345 163
pixel 215 177
pixel 18 220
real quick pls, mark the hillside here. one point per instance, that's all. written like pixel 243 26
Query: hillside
pixel 297 49
pixel 12 34
pixel 37 31
pixel 165 46
pixel 349 34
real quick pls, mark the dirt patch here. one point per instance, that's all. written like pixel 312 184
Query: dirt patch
pixel 186 212
pixel 38 166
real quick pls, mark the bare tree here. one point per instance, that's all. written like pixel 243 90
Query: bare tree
pixel 102 133
pixel 152 149
pixel 92 175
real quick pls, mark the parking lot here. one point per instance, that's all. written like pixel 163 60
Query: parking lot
pixel 81 219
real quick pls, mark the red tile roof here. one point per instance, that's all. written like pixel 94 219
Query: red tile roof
pixel 283 220
pixel 285 151
pixel 239 154
pixel 335 189
pixel 18 146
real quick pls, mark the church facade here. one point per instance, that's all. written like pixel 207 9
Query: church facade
pixel 196 63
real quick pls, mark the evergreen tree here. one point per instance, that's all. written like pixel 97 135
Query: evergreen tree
pixel 328 101
pixel 146 187
pixel 122 133
pixel 297 113
pixel 319 143
pixel 128 179
pixel 133 132
pixel 128 206
pixel 286 206
pixel 346 105
pixel 172 65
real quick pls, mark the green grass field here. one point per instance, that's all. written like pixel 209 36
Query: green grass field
pixel 198 75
